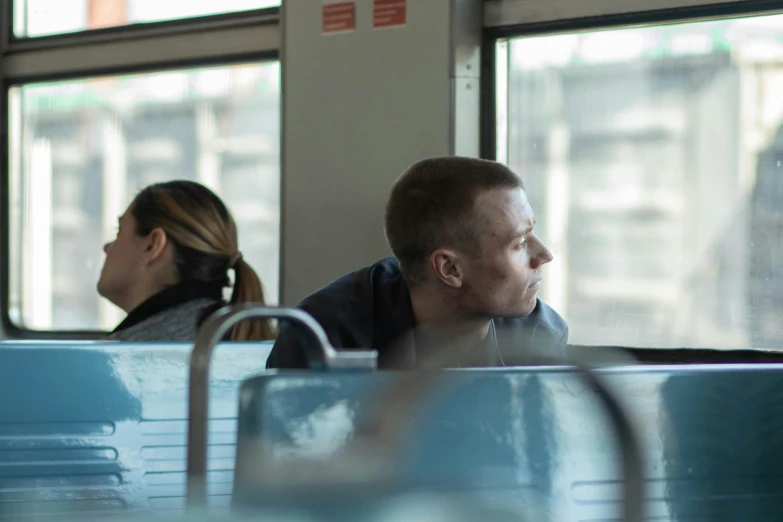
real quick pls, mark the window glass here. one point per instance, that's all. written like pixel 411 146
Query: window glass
pixel 47 17
pixel 653 158
pixel 81 149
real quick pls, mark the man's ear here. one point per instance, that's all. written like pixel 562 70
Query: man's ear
pixel 447 268
pixel 154 246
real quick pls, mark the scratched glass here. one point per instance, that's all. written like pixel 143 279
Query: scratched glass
pixel 653 160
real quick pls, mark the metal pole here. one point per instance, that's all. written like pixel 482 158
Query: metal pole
pixel 211 333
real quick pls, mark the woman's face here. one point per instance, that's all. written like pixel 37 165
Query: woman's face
pixel 123 269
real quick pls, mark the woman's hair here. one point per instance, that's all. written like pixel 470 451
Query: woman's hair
pixel 204 236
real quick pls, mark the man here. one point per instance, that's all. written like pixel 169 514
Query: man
pixel 464 277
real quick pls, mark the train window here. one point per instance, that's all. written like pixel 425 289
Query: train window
pixel 81 149
pixel 34 18
pixel 654 159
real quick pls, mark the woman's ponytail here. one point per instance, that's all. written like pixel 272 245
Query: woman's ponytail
pixel 204 235
pixel 248 289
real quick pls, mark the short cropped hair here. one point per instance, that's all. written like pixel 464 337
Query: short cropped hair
pixel 432 205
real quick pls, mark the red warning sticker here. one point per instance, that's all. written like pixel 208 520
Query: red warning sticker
pixel 339 17
pixel 388 13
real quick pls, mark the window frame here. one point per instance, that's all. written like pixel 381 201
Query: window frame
pixel 501 22
pixel 133 30
pixel 223 39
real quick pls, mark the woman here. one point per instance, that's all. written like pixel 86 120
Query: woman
pixel 169 263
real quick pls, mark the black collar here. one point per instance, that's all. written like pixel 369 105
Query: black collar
pixel 169 298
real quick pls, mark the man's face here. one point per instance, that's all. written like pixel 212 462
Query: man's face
pixel 504 281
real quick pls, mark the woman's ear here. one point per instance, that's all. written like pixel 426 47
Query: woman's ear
pixel 154 246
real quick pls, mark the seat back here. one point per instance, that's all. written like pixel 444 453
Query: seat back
pixel 88 427
pixel 538 438
pixel 364 468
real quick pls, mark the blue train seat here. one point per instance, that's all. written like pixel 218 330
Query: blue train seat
pixel 712 437
pixel 706 439
pixel 88 427
pixel 495 433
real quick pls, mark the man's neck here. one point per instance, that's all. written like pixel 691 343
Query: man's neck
pixel 440 316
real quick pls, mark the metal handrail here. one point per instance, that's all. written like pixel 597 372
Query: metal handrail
pixel 214 329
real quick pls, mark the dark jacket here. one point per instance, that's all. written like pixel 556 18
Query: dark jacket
pixel 371 308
